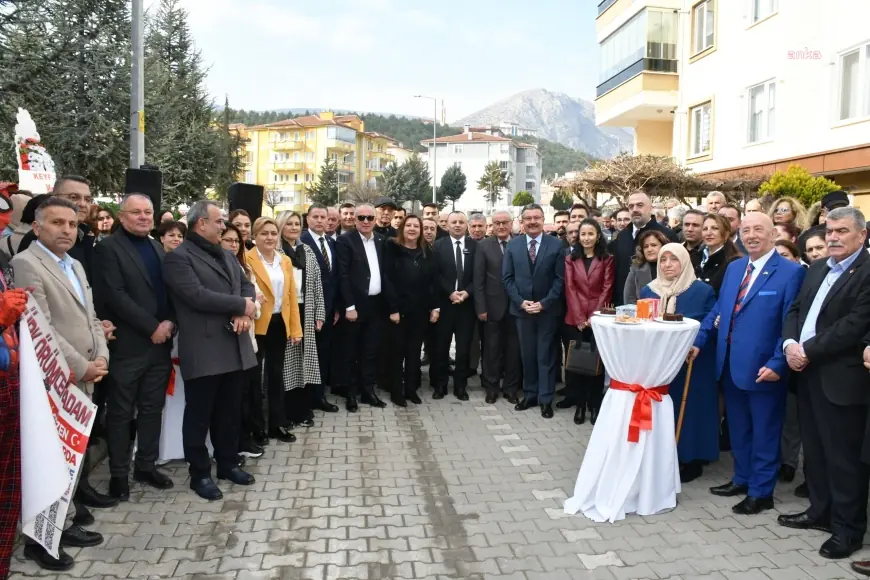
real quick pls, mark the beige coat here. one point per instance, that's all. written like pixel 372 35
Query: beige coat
pixel 76 325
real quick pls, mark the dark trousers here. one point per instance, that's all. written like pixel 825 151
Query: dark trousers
pixel 253 412
pixel 338 358
pixel 405 340
pixel 538 345
pixel 832 436
pixel 501 355
pixel 298 403
pixel 454 320
pixel 324 355
pixel 270 354
pixel 362 340
pixel 137 387
pixel 212 404
pixel 584 391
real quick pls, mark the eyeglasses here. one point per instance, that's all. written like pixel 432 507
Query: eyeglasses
pixel 501 223
pixel 75 198
pixel 365 218
pixel 231 241
pixel 782 210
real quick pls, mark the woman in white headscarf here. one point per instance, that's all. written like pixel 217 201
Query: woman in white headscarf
pixel 681 292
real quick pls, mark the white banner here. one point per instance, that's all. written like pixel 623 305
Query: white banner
pixel 36 171
pixel 56 422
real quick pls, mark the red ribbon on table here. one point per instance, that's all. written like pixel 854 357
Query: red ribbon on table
pixel 641 411
pixel 170 388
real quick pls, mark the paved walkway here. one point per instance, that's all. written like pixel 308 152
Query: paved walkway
pixel 443 490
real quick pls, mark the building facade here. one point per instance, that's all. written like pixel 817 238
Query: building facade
pixel 472 152
pixel 743 86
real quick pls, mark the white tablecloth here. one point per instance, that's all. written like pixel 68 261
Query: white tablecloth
pixel 619 477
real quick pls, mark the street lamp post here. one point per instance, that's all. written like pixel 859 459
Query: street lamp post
pixel 137 94
pixel 434 143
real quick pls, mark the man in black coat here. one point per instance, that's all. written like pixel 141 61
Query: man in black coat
pixel 454 255
pixel 623 247
pixel 824 335
pixel 128 280
pixel 360 281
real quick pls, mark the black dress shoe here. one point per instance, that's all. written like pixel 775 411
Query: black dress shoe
pixel 579 415
pixel 119 488
pixel 206 488
pixel 439 393
pixel 284 435
pixel 370 398
pixel 838 547
pixel 547 410
pixel 251 450
pixel 46 561
pixel 236 476
pixel 690 471
pixel 862 568
pixel 260 439
pixel 154 478
pixel 414 398
pixel 803 521
pixel 83 516
pixel 325 406
pixel 786 473
pixel 491 398
pixel 730 489
pixel 78 537
pixel 512 398
pixel 565 403
pixel 399 401
pixel 802 491
pixel 351 405
pixel 92 498
pixel 241 459
pixel 593 416
pixel 307 422
pixel 753 505
pixel 526 403
pixel 460 394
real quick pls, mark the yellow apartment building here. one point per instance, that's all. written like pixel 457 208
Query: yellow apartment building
pixel 286 157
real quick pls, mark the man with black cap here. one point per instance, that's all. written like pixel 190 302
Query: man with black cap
pixel 831 201
pixel 385 207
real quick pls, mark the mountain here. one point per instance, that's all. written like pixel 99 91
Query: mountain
pixel 557 117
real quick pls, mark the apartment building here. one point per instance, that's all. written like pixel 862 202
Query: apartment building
pixel 472 152
pixel 286 157
pixel 741 86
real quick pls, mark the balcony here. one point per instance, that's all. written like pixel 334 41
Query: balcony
pixel 339 145
pixel 346 165
pixel 287 166
pixel 287 145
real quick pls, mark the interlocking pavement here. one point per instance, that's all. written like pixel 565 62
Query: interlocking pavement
pixel 442 490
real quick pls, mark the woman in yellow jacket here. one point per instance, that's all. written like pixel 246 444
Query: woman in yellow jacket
pixel 279 321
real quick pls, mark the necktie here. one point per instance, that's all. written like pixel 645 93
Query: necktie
pixel 532 252
pixel 458 264
pixel 503 247
pixel 325 253
pixel 741 294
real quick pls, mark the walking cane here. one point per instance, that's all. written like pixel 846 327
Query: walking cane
pixel 683 403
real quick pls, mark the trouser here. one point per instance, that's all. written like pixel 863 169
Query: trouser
pixel 137 388
pixel 338 358
pixel 833 436
pixel 10 466
pixel 585 391
pixel 362 340
pixel 406 338
pixel 384 355
pixel 324 352
pixel 791 435
pixel 212 406
pixel 253 421
pixel 298 402
pixel 501 356
pixel 270 354
pixel 458 320
pixel 539 350
pixel 476 347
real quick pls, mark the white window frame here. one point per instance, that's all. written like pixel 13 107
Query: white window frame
pixel 761 9
pixel 861 91
pixel 766 116
pixel 706 6
pixel 693 129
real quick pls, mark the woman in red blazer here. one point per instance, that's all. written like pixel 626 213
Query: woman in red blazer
pixel 589 272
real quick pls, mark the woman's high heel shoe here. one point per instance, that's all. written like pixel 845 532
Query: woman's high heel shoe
pixel 580 415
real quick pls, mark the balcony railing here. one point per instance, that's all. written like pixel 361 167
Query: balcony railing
pixel 340 145
pixel 287 165
pixel 628 73
pixel 287 145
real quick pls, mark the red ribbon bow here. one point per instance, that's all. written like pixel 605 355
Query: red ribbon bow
pixel 170 388
pixel 641 411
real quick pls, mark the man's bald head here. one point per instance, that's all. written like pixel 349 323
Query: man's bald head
pixel 757 234
pixel 640 207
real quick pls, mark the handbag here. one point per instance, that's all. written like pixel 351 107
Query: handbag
pixel 582 358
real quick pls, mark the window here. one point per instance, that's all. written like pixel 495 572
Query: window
pixel 308 177
pixel 762 107
pixel 503 165
pixel 457 148
pixel 701 125
pixel 295 178
pixel 295 156
pixel 530 186
pixel 704 23
pixel 855 84
pixel 309 156
pixel 761 9
pixel 296 136
pixel 249 177
pixel 661 40
pixel 309 134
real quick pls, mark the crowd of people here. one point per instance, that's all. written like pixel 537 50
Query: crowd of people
pixel 261 319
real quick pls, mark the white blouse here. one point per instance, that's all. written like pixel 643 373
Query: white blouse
pixel 276 278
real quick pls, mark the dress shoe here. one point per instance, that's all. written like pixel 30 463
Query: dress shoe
pixel 526 403
pixel 92 498
pixel 802 491
pixel 119 488
pixel 236 476
pixel 155 478
pixel 46 561
pixel 730 489
pixel 491 398
pixel 838 547
pixel 460 394
pixel 439 393
pixel 547 410
pixel 206 488
pixel 414 398
pixel 512 398
pixel 351 405
pixel 284 435
pixel 593 416
pixel 786 473
pixel 325 406
pixel 308 422
pixel 251 450
pixel 579 415
pixel 78 537
pixel 399 401
pixel 690 471
pixel 370 398
pixel 862 568
pixel 565 403
pixel 83 516
pixel 753 505
pixel 260 439
pixel 803 521
pixel 241 459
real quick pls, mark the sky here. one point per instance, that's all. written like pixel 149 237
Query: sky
pixel 374 55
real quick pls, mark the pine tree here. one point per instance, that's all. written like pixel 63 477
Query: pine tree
pixel 522 198
pixel 396 182
pixel 230 162
pixel 419 180
pixel 493 180
pixel 325 191
pixel 453 184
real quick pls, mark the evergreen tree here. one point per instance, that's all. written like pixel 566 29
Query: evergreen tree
pixel 453 184
pixel 522 198
pixel 798 183
pixel 230 163
pixel 396 182
pixel 561 200
pixel 419 180
pixel 325 191
pixel 493 180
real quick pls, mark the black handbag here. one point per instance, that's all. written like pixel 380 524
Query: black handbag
pixel 582 358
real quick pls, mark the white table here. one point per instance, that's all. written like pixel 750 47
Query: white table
pixel 633 468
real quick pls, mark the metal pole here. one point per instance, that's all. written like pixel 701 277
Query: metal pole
pixel 434 151
pixel 137 93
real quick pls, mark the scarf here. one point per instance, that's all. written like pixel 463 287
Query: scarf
pixel 668 290
pixel 295 253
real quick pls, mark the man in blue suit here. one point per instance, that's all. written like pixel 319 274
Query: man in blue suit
pixel 324 248
pixel 533 273
pixel 747 322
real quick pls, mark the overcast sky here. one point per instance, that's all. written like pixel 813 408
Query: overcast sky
pixel 373 55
